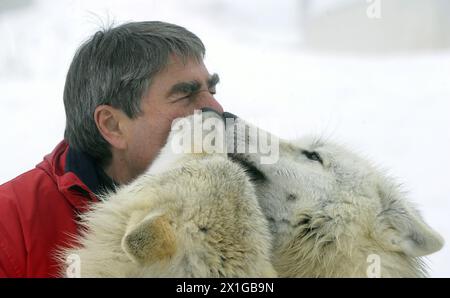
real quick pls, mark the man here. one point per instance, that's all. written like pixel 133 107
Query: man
pixel 123 89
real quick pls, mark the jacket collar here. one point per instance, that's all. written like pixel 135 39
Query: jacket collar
pixel 86 168
pixel 70 172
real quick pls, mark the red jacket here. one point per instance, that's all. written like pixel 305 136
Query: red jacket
pixel 38 212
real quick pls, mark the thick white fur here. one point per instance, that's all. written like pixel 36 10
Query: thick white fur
pixel 330 218
pixel 192 215
pixel 198 215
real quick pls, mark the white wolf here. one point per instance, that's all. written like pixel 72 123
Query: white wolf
pixel 320 211
pixel 334 214
pixel 190 215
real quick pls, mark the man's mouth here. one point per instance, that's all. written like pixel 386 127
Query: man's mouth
pixel 253 172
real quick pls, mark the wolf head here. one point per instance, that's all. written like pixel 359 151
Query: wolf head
pixel 333 213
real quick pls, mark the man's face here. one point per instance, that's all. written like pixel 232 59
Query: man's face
pixel 175 92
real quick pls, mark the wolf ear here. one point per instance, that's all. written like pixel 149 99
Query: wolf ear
pixel 149 241
pixel 404 229
pixel 412 236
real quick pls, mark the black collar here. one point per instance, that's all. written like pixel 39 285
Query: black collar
pixel 88 171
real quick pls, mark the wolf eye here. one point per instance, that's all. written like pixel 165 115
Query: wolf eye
pixel 312 155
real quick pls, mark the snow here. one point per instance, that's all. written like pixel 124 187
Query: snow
pixel 393 108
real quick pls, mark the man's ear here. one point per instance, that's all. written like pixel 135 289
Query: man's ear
pixel 111 123
pixel 151 240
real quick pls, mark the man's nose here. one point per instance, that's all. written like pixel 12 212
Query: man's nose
pixel 207 100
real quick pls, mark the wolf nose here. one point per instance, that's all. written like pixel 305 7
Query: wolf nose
pixel 229 115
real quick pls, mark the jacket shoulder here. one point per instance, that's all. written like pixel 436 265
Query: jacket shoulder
pixel 32 210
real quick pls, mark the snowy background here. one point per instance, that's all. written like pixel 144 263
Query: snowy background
pixel 380 85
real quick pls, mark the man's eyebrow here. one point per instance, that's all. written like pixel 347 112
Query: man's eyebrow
pixel 213 80
pixel 192 86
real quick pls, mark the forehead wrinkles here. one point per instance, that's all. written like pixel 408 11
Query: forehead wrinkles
pixel 177 65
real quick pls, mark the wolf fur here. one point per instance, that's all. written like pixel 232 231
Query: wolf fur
pixel 320 211
pixel 334 214
pixel 190 215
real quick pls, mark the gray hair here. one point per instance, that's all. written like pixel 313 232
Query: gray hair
pixel 115 67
